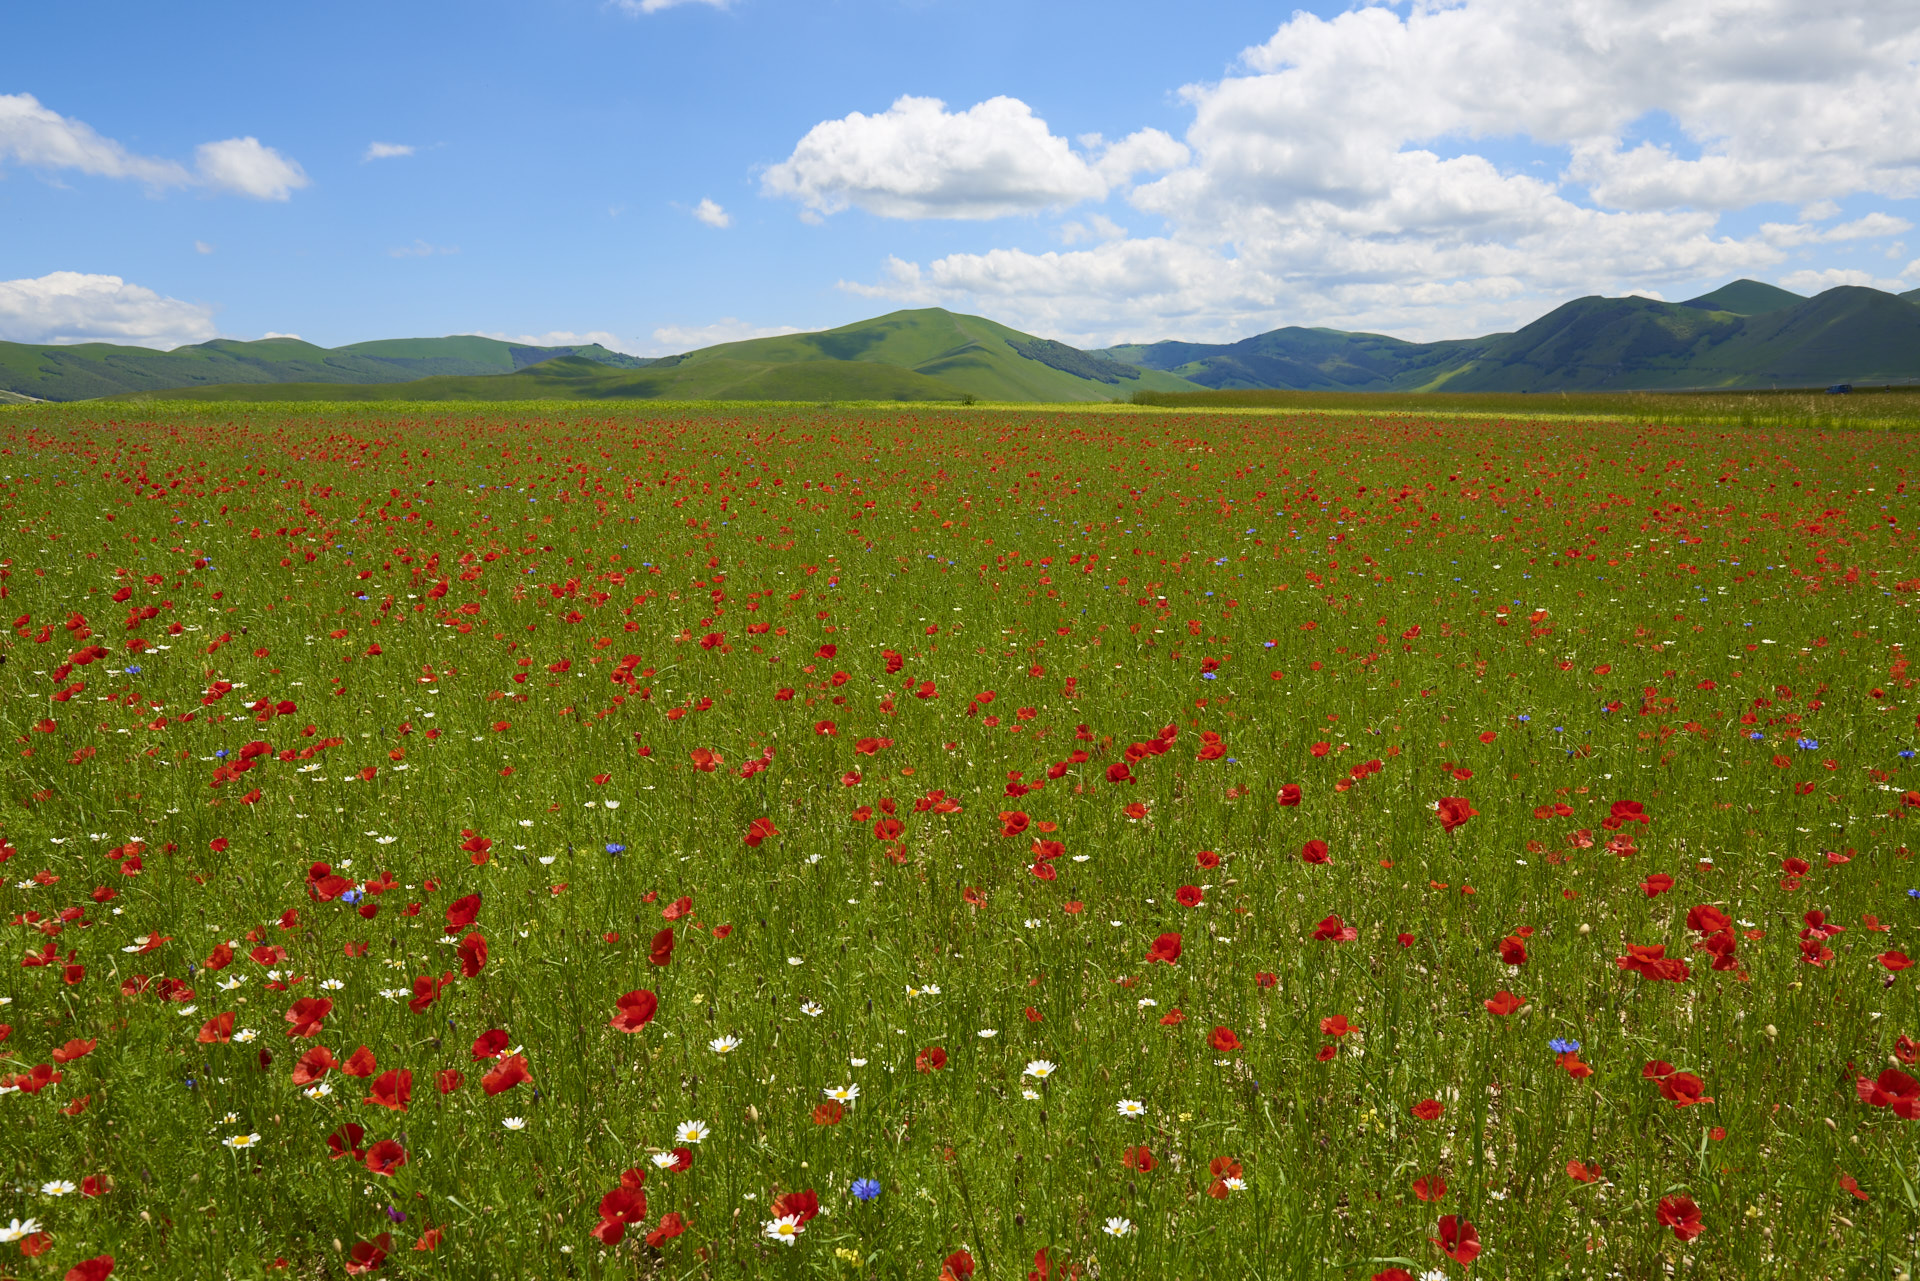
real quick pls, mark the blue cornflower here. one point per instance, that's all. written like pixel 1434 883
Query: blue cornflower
pixel 1807 744
pixel 613 848
pixel 1906 754
pixel 1559 1046
pixel 221 754
pixel 1523 719
pixel 133 671
pixel 1268 644
pixel 866 1189
pixel 1913 893
pixel 351 896
pixel 1756 736
pixel 1207 676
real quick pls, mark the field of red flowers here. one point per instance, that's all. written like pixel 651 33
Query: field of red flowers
pixel 959 843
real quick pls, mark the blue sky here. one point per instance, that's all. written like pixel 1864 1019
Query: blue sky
pixel 1320 165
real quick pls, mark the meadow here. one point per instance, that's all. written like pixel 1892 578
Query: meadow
pixel 865 842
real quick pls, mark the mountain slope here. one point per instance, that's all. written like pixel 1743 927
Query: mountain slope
pixel 976 355
pixel 1745 298
pixel 576 378
pixel 83 370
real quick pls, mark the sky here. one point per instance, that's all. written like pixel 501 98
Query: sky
pixel 659 175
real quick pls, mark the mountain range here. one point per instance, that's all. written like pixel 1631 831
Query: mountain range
pixel 1743 335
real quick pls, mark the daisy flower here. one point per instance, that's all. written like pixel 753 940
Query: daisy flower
pixel 17 1229
pixel 843 1093
pixel 724 1044
pixel 57 1187
pixel 238 1141
pixel 246 1035
pixel 663 1160
pixel 515 1123
pixel 692 1132
pixel 1132 1107
pixel 1040 1069
pixel 786 1229
pixel 1029 1094
pixel 1117 1227
pixel 813 1009
pixel 319 1091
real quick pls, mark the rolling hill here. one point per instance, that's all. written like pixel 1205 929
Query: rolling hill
pixel 1746 334
pixel 85 370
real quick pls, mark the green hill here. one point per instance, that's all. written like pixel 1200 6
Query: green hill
pixel 1745 298
pixel 1747 334
pixel 976 355
pixel 576 378
pixel 83 370
pixel 1912 296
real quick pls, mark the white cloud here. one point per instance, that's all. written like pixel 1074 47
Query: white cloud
pixel 712 214
pixel 1812 282
pixel 655 6
pixel 72 306
pixel 1351 171
pixel 271 334
pixel 244 166
pixel 39 138
pixel 386 151
pixel 568 338
pixel 421 249
pixel 672 339
pixel 202 247
pixel 918 160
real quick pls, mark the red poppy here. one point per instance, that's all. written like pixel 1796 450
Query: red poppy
pixel 1172 1018
pixel 1503 1004
pixel 1314 852
pixel 1266 978
pixel 1165 948
pixel 661 950
pixel 1653 963
pixel 682 1160
pixel 1430 1188
pixel 489 1045
pixel 449 1080
pixel 313 1065
pixel 1891 1089
pixel 671 1226
pixel 635 1010
pixel 393 1090
pixel 1582 1173
pixel 1427 1110
pixel 931 1059
pixel 1657 884
pixel 1458 1240
pixel 1223 1040
pixel 1335 1025
pixel 1138 1158
pixel 217 1030
pixel 385 1157
pixel 1188 896
pixel 829 1113
pixel 473 954
pixel 307 1015
pixel 426 990
pixel 431 1239
pixel 97 1268
pixel 1454 811
pixel 360 1063
pixel 1289 794
pixel 1393 1274
pixel 759 830
pixel 1682 1215
pixel 678 908
pixel 1335 930
pixel 1683 1089
pixel 1207 859
pixel 1513 951
pixel 462 912
pixel 801 1205
pixel 958 1266
pixel 345 1141
pixel 1895 961
pixel 511 1072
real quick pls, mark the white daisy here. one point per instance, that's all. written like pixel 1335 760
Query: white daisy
pixel 57 1187
pixel 663 1160
pixel 1117 1227
pixel 515 1123
pixel 842 1093
pixel 813 1009
pixel 246 1035
pixel 238 1141
pixel 724 1044
pixel 786 1229
pixel 318 1091
pixel 1040 1069
pixel 692 1132
pixel 17 1229
pixel 1132 1107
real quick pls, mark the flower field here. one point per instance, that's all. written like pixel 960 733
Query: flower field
pixel 776 842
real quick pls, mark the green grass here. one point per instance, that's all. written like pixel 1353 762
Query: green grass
pixel 478 613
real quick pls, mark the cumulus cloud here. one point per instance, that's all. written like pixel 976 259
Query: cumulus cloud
pixel 919 160
pixel 386 151
pixel 672 339
pixel 1348 171
pixel 1812 282
pixel 36 137
pixel 72 306
pixel 712 214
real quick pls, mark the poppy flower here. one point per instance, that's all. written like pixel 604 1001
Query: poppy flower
pixel 1335 1025
pixel 1427 1110
pixel 661 950
pixel 1503 1004
pixel 1207 859
pixel 1188 896
pixel 759 830
pixel 449 1080
pixel 1166 948
pixel 1172 1018
pixel 829 1113
pixel 671 1226
pixel 802 1205
pixel 1680 1214
pixel 307 1016
pixel 1314 852
pixel 957 1266
pixel 97 1268
pixel 1652 962
pixel 313 1065
pixel 1335 930
pixel 345 1141
pixel 1657 884
pixel 1683 1089
pixel 360 1063
pixel 393 1090
pixel 1289 794
pixel 367 1256
pixel 634 1011
pixel 1458 1240
pixel 426 990
pixel 1454 811
pixel 473 954
pixel 1513 951
pixel 931 1059
pixel 511 1072
pixel 217 1030
pixel 462 912
pixel 1891 1089
pixel 1430 1188
pixel 1582 1173
pixel 1138 1158
pixel 678 908
pixel 1895 961
pixel 1393 1274
pixel 1266 978
pixel 1223 1040
pixel 385 1157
